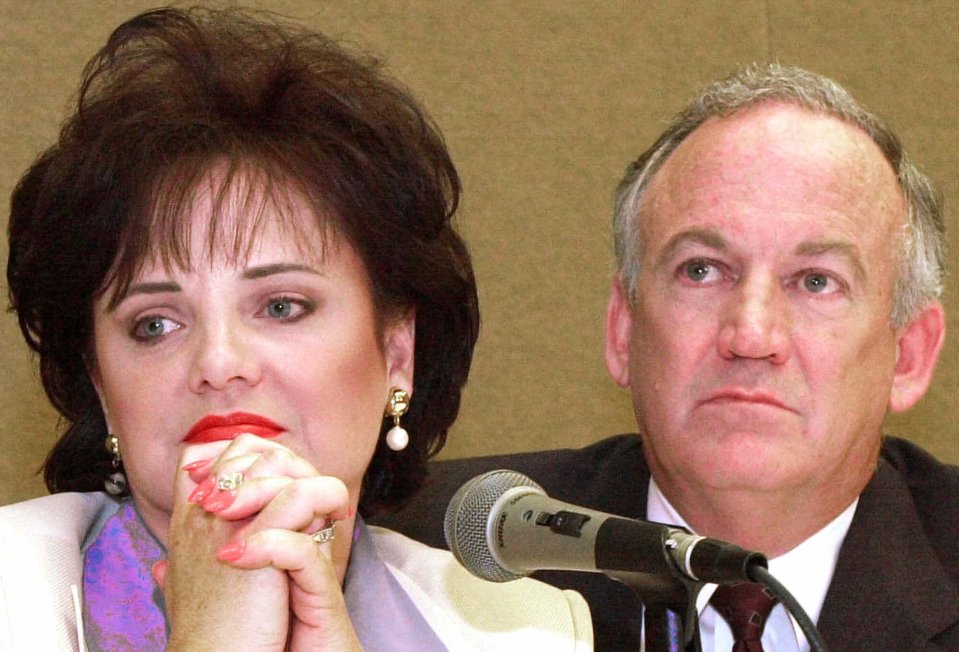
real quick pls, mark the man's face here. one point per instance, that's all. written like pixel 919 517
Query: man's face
pixel 759 349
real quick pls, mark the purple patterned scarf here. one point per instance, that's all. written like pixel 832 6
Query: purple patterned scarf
pixel 123 607
pixel 124 610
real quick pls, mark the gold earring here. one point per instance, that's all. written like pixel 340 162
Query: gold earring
pixel 397 438
pixel 116 482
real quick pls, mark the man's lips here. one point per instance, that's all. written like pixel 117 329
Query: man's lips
pixel 746 396
pixel 230 426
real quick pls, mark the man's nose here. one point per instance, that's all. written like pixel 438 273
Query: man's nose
pixel 223 356
pixel 755 321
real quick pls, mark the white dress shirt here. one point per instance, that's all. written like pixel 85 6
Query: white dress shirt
pixel 805 571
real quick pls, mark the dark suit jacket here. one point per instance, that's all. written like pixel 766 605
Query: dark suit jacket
pixel 896 585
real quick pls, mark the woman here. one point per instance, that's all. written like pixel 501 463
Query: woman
pixel 238 270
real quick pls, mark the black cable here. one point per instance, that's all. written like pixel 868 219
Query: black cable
pixel 762 576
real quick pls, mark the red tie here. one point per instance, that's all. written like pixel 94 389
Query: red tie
pixel 745 607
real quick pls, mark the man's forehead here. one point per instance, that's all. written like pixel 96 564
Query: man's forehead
pixel 777 162
pixel 790 138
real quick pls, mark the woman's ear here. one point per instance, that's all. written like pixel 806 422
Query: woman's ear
pixel 97 383
pixel 399 347
pixel 917 349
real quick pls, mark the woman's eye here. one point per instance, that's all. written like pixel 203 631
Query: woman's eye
pixel 152 328
pixel 285 309
pixel 280 308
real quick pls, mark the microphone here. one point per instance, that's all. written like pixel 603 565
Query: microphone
pixel 501 526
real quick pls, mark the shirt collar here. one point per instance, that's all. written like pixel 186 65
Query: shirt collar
pixel 806 571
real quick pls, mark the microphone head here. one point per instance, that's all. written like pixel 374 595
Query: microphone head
pixel 468 516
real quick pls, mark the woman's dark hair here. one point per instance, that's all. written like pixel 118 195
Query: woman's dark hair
pixel 176 94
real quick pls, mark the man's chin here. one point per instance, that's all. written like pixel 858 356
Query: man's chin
pixel 746 460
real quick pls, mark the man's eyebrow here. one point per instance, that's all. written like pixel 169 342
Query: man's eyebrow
pixel 843 249
pixel 262 271
pixel 696 235
pixel 714 240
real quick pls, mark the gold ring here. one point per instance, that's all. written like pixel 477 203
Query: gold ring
pixel 325 535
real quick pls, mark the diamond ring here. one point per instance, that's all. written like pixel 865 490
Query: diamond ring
pixel 229 481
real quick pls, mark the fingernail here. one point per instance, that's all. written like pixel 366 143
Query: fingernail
pixel 159 571
pixel 351 512
pixel 219 501
pixel 193 466
pixel 231 551
pixel 201 491
pixel 199 470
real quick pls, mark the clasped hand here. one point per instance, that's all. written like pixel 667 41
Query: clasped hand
pixel 243 571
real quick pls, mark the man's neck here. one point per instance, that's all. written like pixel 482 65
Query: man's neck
pixel 769 522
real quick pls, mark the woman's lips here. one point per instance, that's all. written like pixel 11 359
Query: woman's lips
pixel 230 426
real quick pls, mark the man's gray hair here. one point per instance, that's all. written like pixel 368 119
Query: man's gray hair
pixel 922 248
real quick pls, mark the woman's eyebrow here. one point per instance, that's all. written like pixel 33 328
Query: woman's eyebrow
pixel 261 271
pixel 150 287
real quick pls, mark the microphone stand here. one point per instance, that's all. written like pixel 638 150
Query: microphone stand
pixel 670 619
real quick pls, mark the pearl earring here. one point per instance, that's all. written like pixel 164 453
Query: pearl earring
pixel 397 438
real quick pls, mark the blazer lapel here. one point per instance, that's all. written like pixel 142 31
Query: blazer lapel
pixel 889 591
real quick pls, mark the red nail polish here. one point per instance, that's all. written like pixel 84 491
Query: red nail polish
pixel 202 490
pixel 193 466
pixel 158 571
pixel 231 551
pixel 219 501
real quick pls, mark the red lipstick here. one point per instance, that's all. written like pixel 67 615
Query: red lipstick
pixel 230 426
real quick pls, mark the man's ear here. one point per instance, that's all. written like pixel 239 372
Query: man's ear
pixel 399 347
pixel 917 350
pixel 619 330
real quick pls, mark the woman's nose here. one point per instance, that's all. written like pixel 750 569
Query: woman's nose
pixel 223 356
pixel 756 322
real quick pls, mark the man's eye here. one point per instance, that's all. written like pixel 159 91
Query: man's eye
pixel 697 270
pixel 153 327
pixel 818 283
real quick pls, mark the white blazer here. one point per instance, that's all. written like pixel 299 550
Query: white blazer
pixel 41 575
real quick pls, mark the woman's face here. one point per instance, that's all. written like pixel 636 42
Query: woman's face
pixel 282 343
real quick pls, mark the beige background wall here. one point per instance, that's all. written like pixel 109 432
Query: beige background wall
pixel 543 104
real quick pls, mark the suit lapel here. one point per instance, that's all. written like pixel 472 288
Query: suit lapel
pixel 889 591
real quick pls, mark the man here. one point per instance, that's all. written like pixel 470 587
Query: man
pixel 780 263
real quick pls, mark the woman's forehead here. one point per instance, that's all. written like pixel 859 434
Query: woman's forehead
pixel 223 217
pixel 236 239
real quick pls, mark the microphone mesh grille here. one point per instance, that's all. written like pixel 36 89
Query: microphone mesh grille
pixel 466 518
